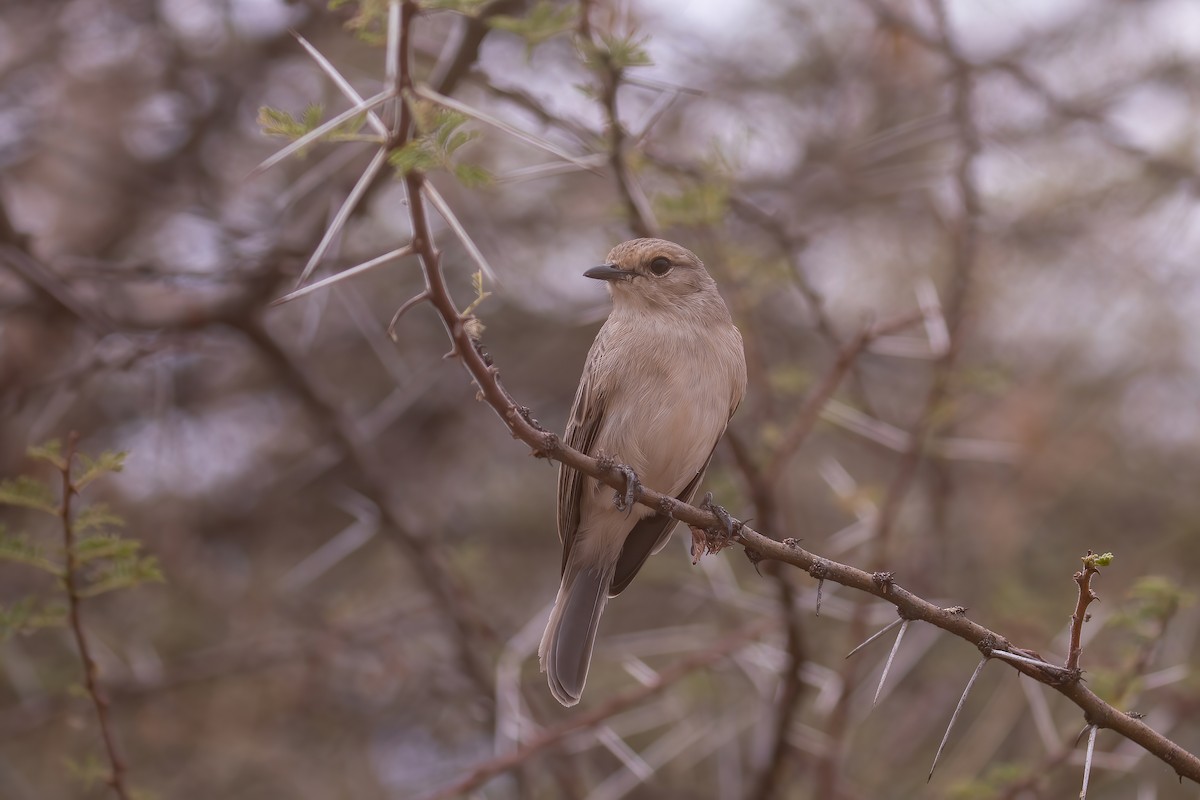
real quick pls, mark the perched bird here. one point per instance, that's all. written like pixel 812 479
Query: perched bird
pixel 661 381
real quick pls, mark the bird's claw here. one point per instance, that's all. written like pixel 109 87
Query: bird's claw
pixel 720 513
pixel 713 540
pixel 624 501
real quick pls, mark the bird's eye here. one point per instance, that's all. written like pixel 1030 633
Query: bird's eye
pixel 660 266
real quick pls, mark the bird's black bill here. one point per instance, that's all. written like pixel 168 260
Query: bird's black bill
pixel 606 273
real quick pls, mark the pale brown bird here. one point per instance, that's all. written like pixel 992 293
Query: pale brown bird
pixel 661 381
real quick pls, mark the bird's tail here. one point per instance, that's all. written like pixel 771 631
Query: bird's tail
pixel 566 649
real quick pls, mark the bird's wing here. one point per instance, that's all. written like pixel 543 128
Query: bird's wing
pixel 650 534
pixel 587 415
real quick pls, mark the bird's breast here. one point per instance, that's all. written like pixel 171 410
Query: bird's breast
pixel 670 402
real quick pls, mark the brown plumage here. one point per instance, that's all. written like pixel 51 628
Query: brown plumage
pixel 660 383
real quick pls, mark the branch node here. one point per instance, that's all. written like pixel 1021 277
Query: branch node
pixel 549 447
pixel 988 644
pixel 666 506
pixel 884 580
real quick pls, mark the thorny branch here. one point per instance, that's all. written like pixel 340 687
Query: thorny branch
pixel 548 445
pixel 545 444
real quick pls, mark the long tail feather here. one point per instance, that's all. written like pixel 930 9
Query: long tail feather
pixel 566 649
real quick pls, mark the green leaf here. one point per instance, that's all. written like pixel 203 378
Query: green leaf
pixel 91 548
pixel 470 8
pixel 123 574
pixel 369 20
pixel 28 492
pixel 106 462
pixel 96 517
pixel 27 616
pixel 276 122
pixel 439 137
pixel 20 550
pixel 50 452
pixel 627 51
pixel 412 157
pixel 473 176
pixel 543 22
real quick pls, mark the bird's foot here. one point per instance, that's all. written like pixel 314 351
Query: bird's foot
pixel 624 500
pixel 715 539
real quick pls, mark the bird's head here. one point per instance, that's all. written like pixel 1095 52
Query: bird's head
pixel 655 274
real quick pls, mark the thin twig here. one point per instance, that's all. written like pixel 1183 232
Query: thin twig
pixel 91 678
pixel 802 424
pixel 419 297
pixel 1083 578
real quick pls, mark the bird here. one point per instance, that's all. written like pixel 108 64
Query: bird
pixel 661 381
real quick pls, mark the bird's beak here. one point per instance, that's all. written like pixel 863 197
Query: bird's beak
pixel 606 273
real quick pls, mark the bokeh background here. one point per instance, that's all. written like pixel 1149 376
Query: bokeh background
pixel 358 557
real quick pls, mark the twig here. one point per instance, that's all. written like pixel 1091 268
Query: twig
pixel 802 424
pixel 91 680
pixel 555 735
pixel 1086 596
pixel 637 205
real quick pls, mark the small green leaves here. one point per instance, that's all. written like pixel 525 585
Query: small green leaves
pixel 50 452
pixel 440 136
pixel 1093 560
pixel 28 615
pixel 28 492
pixel 369 20
pixel 84 547
pixel 472 176
pixel 276 122
pixel 102 464
pixel 616 53
pixel 543 22
pixel 124 570
pixel 470 8
pixel 20 550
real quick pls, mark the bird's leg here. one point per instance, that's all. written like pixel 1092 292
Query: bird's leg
pixel 623 500
pixel 713 540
